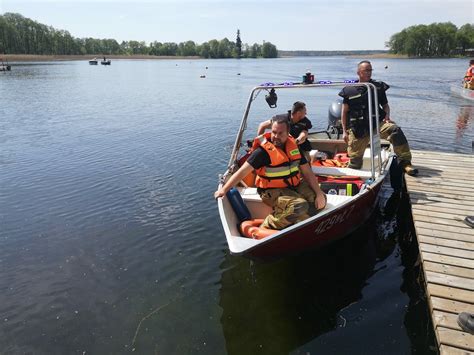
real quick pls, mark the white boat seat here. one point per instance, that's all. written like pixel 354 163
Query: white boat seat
pixel 249 194
pixel 329 170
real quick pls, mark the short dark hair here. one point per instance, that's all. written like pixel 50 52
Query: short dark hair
pixel 471 62
pixel 298 106
pixel 363 62
pixel 281 120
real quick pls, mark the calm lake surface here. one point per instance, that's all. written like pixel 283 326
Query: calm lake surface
pixel 110 240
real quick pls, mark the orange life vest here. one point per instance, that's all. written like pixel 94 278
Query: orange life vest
pixel 283 170
pixel 469 73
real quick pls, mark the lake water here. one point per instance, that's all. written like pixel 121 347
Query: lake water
pixel 110 240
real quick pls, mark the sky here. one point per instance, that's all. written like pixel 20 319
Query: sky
pixel 290 25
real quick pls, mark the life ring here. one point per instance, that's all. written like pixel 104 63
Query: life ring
pixel 251 229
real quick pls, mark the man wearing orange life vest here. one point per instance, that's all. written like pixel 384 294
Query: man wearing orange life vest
pixel 279 166
pixel 299 126
pixel 469 77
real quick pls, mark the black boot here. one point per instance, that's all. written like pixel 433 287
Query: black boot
pixel 466 322
pixel 469 220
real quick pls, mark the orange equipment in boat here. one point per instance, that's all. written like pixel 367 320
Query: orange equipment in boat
pixel 251 229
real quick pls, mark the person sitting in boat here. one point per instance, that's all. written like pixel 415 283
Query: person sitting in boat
pixel 279 166
pixel 355 121
pixel 469 77
pixel 299 126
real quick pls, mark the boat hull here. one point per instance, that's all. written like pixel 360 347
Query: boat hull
pixel 320 232
pixel 464 93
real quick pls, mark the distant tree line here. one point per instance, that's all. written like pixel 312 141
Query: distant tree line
pixel 309 53
pixel 21 35
pixel 435 40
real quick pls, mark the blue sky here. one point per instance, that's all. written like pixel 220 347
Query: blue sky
pixel 291 25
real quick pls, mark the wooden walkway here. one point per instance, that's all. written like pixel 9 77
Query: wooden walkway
pixel 441 196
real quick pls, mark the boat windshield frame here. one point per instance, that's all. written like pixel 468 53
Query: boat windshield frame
pixel 372 96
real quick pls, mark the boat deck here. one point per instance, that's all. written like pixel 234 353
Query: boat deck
pixel 441 196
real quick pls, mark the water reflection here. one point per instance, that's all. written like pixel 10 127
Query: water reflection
pixel 277 307
pixel 296 304
pixel 466 114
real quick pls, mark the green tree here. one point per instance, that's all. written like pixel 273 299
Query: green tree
pixel 238 46
pixel 465 37
pixel 269 50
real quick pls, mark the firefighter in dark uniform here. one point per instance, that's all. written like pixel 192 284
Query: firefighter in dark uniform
pixel 355 121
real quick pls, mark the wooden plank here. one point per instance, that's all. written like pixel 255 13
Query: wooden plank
pixel 451 306
pixel 453 194
pixel 451 281
pixel 432 198
pixel 448 260
pixel 430 248
pixel 451 293
pixel 434 154
pixel 448 269
pixel 427 174
pixel 446 242
pixel 448 181
pixel 455 338
pixel 442 215
pixel 433 167
pixel 452 209
pixel 446 165
pixel 444 228
pixel 446 320
pixel 448 350
pixel 435 195
pixel 441 188
pixel 442 234
pixel 441 221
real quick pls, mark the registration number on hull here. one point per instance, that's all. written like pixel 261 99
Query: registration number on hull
pixel 333 220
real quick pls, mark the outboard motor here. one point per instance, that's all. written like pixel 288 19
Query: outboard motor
pixel 334 118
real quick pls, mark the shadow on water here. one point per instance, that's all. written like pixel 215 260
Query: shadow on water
pixel 286 305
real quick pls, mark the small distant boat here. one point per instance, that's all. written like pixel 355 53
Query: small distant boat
pixel 105 62
pixel 5 66
pixel 462 92
pixel 93 61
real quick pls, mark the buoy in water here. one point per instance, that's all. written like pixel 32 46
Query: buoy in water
pixel 202 76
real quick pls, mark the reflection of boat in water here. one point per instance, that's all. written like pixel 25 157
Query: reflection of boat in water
pixel 345 210
pixel 350 298
pixel 275 308
pixel 93 61
pixel 466 114
pixel 462 92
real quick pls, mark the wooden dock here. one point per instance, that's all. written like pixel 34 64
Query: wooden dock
pixel 441 196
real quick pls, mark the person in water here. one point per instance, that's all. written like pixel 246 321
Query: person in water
pixel 469 77
pixel 279 167
pixel 299 126
pixel 355 121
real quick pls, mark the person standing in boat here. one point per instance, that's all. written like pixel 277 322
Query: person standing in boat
pixel 469 77
pixel 279 166
pixel 355 121
pixel 299 126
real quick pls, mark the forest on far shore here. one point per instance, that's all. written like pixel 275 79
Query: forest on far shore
pixel 21 35
pixel 434 40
